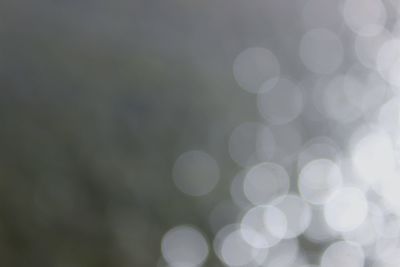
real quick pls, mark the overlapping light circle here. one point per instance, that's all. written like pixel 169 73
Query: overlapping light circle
pixel 263 226
pixel 346 209
pixel 265 182
pixel 318 180
pixel 369 20
pixel 256 69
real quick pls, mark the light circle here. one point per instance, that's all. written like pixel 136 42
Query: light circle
pixel 195 173
pixel 184 246
pixel 232 249
pixel 256 69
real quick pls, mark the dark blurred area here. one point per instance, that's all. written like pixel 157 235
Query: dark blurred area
pixel 97 100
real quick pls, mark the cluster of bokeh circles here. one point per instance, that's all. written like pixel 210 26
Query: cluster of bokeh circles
pixel 320 178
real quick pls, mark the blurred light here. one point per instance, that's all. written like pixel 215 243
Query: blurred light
pixel 389 117
pixel 265 182
pixel 282 104
pixel 184 246
pixel 370 92
pixel 346 209
pixel 387 225
pixel 318 231
pixel 388 61
pixel 321 51
pixel 373 157
pixel 367 48
pixel 368 20
pixel 321 147
pixel 387 251
pixel 284 253
pixel 256 69
pixel 251 143
pixel 298 215
pixel 343 253
pixel 365 234
pixel 237 192
pixel 195 173
pixel 336 103
pixel 318 180
pixel 389 190
pixel 232 249
pixel 263 226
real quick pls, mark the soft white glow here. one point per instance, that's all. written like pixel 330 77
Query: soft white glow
pixel 369 231
pixel 184 246
pixel 343 253
pixel 387 251
pixel 346 209
pixel 387 225
pixel 232 249
pixel 373 157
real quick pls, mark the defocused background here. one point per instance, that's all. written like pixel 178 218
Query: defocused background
pixel 187 133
